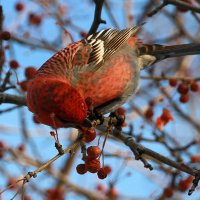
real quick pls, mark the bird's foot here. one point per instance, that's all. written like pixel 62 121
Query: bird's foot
pixel 93 119
pixel 117 118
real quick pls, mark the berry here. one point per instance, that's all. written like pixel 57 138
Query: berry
pixel 121 111
pixel 166 115
pixel 184 98
pixel 5 35
pixel 35 19
pixel 107 169
pixel 183 88
pixel 194 87
pixel 14 64
pixel 30 72
pixel 27 197
pixel 168 192
pixel 100 187
pixel 12 181
pixel 93 151
pixel 112 193
pixel 195 159
pixel 185 184
pixel 83 34
pixel 81 169
pixel 89 135
pixel 24 85
pixel 173 82
pixel 21 147
pixel 93 166
pixel 149 113
pixel 19 7
pixel 101 173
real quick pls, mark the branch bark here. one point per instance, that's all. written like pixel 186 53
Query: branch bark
pixel 97 17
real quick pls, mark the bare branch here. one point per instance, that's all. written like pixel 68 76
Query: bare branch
pixel 97 17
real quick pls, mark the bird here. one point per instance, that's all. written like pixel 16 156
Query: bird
pixel 103 67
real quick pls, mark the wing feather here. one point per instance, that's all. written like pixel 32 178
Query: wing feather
pixel 105 43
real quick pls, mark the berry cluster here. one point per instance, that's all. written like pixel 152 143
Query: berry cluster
pixel 92 163
pixel 183 88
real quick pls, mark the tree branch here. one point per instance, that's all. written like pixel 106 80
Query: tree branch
pixel 97 17
pixel 13 99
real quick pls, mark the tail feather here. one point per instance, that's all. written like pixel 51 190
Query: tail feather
pixel 161 52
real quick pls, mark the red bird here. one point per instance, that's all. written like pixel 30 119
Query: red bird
pixel 104 67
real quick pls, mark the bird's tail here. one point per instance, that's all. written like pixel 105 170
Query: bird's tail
pixel 159 52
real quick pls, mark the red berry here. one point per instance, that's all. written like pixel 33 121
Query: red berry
pixel 195 158
pixel 184 98
pixel 83 34
pixel 12 181
pixel 30 72
pixel 27 197
pixel 81 169
pixel 149 113
pixel 121 111
pixel 35 19
pixel 168 192
pixel 24 85
pixel 185 184
pixel 100 187
pixel 101 173
pixel 93 166
pixel 19 6
pixel 194 87
pixel 89 135
pixel 173 82
pixel 183 88
pixel 2 145
pixel 21 147
pixel 112 193
pixel 166 115
pixel 14 64
pixel 5 35
pixel 107 169
pixel 93 151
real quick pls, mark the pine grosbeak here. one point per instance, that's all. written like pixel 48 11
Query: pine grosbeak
pixel 104 67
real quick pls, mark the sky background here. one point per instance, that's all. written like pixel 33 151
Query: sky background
pixel 135 185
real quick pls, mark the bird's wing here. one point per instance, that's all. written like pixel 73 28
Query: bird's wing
pixel 105 43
